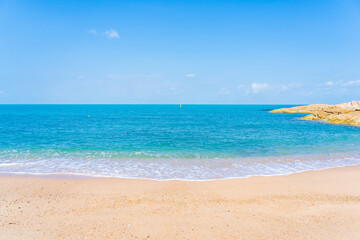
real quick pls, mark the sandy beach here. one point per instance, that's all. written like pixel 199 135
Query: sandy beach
pixel 322 204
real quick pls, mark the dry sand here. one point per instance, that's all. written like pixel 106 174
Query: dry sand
pixel 311 205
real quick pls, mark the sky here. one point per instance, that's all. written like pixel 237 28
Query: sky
pixel 200 52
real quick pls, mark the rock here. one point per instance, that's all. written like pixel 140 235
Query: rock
pixel 353 105
pixel 345 113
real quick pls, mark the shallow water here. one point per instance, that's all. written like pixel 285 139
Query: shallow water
pixel 169 142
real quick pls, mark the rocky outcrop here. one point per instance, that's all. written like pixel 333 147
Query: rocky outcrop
pixel 345 113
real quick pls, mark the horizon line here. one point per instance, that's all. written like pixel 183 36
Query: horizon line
pixel 155 103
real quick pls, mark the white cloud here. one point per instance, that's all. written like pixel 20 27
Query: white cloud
pixel 289 86
pixel 352 83
pixel 2 92
pixel 243 89
pixel 332 83
pixel 80 76
pixel 112 33
pixel 284 88
pixel 329 83
pixel 92 31
pixel 224 91
pixel 341 83
pixel 135 76
pixel 190 75
pixel 258 87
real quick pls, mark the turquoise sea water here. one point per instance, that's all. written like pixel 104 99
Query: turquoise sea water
pixel 169 142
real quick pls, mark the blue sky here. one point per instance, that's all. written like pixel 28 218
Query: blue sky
pixel 179 51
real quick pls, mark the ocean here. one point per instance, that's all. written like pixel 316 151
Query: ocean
pixel 192 142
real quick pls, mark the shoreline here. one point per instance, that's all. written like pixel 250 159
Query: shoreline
pixel 315 204
pixel 288 164
pixel 85 176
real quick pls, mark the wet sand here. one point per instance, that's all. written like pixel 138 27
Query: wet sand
pixel 322 204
